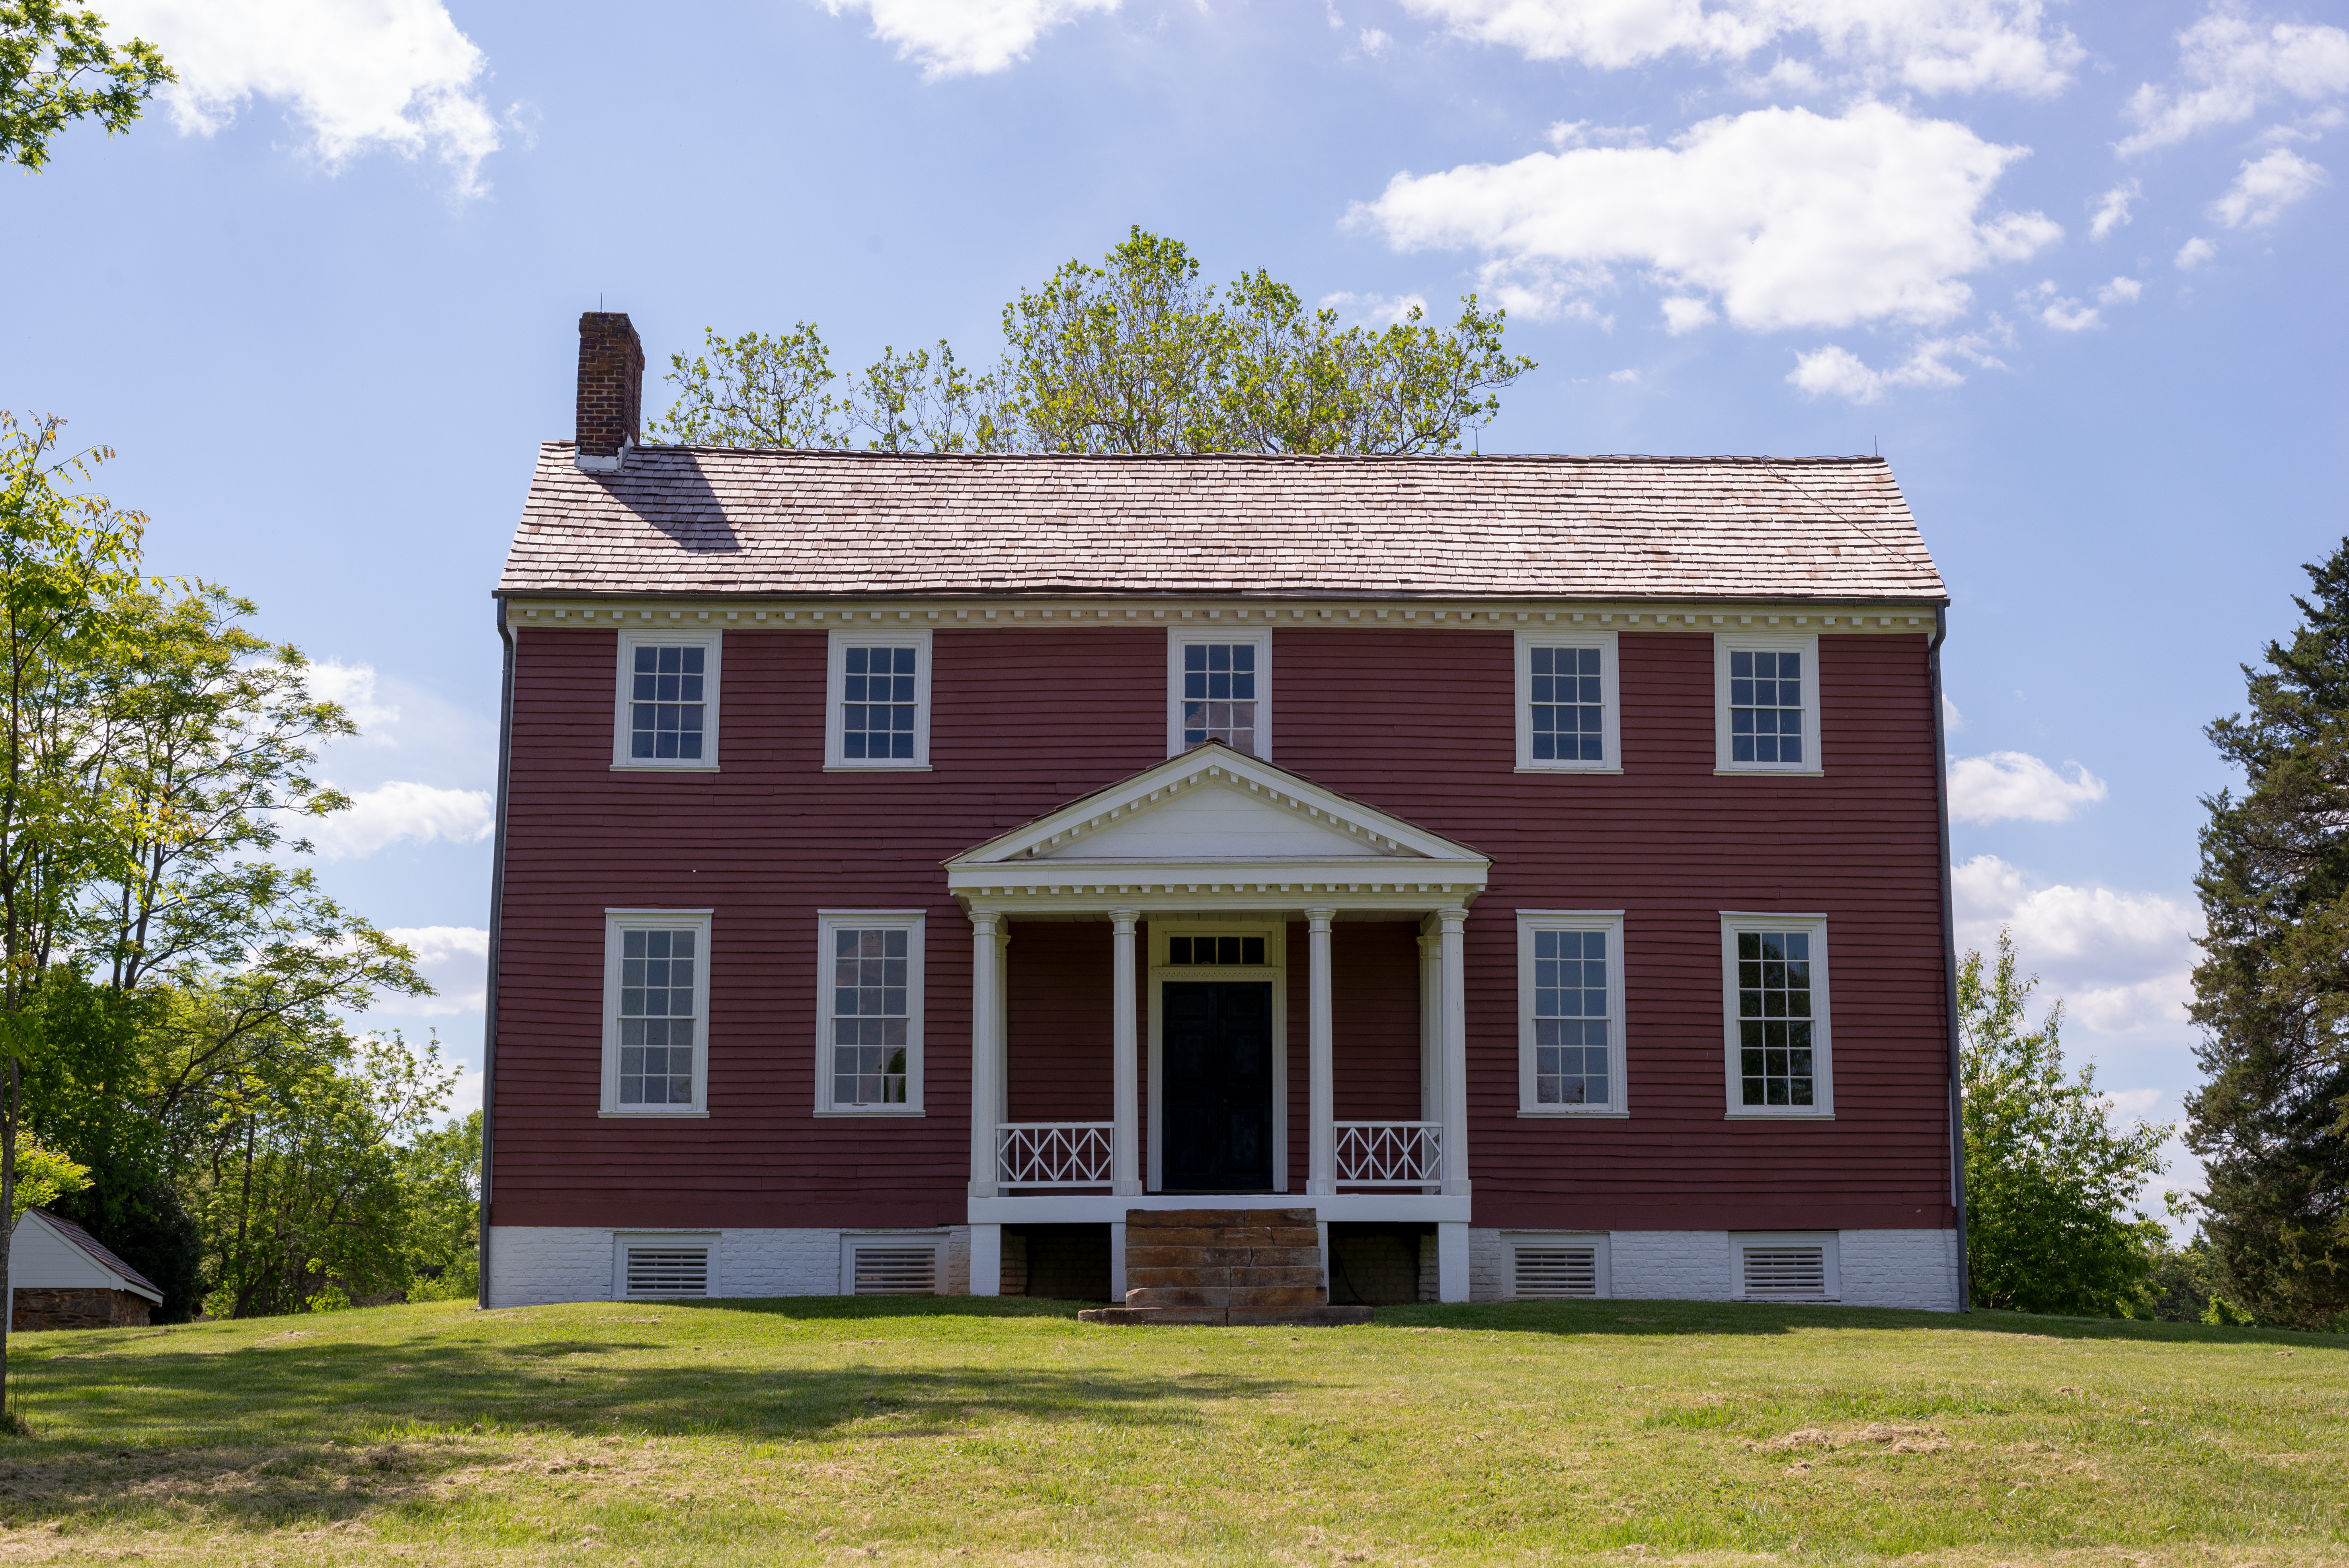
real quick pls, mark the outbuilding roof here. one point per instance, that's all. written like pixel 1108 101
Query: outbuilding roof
pixel 98 1252
pixel 697 521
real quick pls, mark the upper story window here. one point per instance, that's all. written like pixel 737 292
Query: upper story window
pixel 655 1007
pixel 1570 1012
pixel 1766 698
pixel 1567 703
pixel 1775 980
pixel 668 700
pixel 869 1050
pixel 879 700
pixel 1220 687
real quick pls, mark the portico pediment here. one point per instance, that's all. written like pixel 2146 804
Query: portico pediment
pixel 1217 814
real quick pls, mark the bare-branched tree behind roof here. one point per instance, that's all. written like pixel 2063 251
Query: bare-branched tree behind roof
pixel 1135 355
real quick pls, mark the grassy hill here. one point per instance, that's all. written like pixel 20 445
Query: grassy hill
pixel 820 1430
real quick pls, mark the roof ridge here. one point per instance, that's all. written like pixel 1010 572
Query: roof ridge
pixel 1861 459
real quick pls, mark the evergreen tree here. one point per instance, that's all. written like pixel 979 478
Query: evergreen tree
pixel 2272 994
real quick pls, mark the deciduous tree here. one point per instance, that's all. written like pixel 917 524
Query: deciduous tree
pixel 56 66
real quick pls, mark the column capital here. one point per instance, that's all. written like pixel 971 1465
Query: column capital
pixel 1123 920
pixel 1453 917
pixel 987 922
pixel 1322 915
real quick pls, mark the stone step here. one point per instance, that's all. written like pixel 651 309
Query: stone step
pixel 1229 1317
pixel 1222 1266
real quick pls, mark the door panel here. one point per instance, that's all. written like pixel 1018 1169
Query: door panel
pixel 1215 1052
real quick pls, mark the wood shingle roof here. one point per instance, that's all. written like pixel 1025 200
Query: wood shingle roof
pixel 701 521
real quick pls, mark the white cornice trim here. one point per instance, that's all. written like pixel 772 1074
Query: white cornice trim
pixel 754 613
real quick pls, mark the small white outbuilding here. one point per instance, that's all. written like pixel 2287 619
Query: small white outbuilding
pixel 61 1276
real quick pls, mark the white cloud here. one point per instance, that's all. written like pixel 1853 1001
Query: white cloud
pixel 2112 210
pixel 2120 960
pixel 1375 42
pixel 1683 315
pixel 1835 371
pixel 2120 291
pixel 1930 45
pixel 1790 218
pixel 2265 187
pixel 1381 310
pixel 455 958
pixel 2017 786
pixel 391 812
pixel 353 686
pixel 2194 253
pixel 1626 376
pixel 357 76
pixel 2228 67
pixel 1953 720
pixel 965 37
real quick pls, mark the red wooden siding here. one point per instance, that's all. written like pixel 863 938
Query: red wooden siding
pixel 1418 723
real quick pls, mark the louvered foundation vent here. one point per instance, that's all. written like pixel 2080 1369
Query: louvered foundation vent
pixel 1785 1272
pixel 885 1270
pixel 668 1271
pixel 1548 1272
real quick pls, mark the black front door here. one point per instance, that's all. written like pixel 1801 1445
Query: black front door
pixel 1218 1059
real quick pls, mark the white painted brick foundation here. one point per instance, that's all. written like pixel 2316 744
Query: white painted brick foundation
pixel 534 1265
pixel 1879 1268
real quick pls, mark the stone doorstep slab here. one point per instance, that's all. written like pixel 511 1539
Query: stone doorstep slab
pixel 1261 1296
pixel 1228 1317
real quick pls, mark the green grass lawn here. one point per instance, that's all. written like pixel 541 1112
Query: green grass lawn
pixel 816 1430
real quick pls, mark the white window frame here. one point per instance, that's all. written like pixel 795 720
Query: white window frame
pixel 835 695
pixel 1804 642
pixel 1609 694
pixel 828 922
pixel 1831 1264
pixel 632 638
pixel 936 1241
pixel 1181 637
pixel 1732 922
pixel 1602 1266
pixel 1611 920
pixel 623 1240
pixel 615 922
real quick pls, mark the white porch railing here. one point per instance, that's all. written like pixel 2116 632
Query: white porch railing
pixel 1390 1153
pixel 1055 1154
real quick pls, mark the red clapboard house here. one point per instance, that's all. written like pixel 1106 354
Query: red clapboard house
pixel 912 866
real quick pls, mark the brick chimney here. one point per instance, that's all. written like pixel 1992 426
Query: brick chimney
pixel 611 390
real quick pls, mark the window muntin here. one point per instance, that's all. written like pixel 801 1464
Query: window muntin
pixel 1774 985
pixel 1217 950
pixel 1571 1052
pixel 1220 687
pixel 877 700
pixel 869 1012
pixel 1567 707
pixel 870 970
pixel 1765 705
pixel 1220 694
pixel 1766 702
pixel 656 1015
pixel 1570 1013
pixel 656 1012
pixel 667 699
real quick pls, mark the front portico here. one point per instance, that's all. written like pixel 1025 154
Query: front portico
pixel 1214 853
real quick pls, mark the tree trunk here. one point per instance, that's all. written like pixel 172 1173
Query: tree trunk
pixel 7 1233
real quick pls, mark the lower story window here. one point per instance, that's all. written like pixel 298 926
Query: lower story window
pixel 1571 1011
pixel 1775 984
pixel 657 996
pixel 872 990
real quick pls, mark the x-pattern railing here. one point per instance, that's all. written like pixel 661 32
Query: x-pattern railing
pixel 1390 1153
pixel 1055 1154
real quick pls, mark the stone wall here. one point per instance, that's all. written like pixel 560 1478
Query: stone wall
pixel 37 1309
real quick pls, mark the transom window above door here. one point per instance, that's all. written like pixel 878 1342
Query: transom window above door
pixel 1220 688
pixel 1217 949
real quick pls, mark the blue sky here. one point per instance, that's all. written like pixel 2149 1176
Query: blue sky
pixel 2075 269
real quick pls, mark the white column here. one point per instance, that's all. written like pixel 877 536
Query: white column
pixel 1003 1022
pixel 1322 1114
pixel 1454 1045
pixel 1125 1097
pixel 986 1260
pixel 1117 1262
pixel 1430 1025
pixel 986 1059
pixel 1451 1261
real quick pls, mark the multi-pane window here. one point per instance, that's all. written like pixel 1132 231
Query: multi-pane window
pixel 1568 709
pixel 1220 694
pixel 1777 1003
pixel 668 700
pixel 657 1022
pixel 1571 1011
pixel 878 703
pixel 1571 1044
pixel 880 697
pixel 655 1000
pixel 1765 705
pixel 1233 950
pixel 1567 702
pixel 665 703
pixel 870 981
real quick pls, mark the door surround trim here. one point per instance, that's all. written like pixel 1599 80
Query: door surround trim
pixel 1275 968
